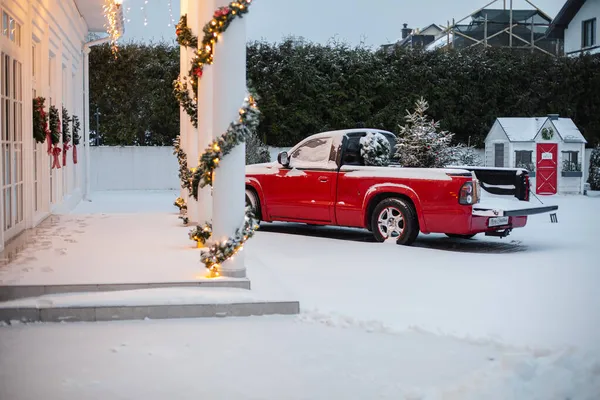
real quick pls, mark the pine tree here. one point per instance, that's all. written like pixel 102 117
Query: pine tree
pixel 594 179
pixel 256 151
pixel 421 143
pixel 375 149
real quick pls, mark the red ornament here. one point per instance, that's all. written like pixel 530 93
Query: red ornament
pixel 198 72
pixel 178 32
pixel 222 11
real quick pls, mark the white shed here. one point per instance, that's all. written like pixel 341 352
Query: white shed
pixel 551 148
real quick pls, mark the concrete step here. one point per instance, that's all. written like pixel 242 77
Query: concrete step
pixel 156 303
pixel 13 292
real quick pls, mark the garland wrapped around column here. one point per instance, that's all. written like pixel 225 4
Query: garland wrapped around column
pixel 66 135
pixel 41 133
pixel 76 137
pixel 54 137
pixel 236 133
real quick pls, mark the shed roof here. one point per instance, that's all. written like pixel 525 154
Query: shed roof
pixel 519 129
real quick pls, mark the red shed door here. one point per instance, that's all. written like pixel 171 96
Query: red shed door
pixel 546 175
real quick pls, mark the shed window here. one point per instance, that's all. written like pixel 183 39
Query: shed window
pixel 499 155
pixel 524 159
pixel 571 161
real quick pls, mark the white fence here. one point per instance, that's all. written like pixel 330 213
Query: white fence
pixel 155 168
pixel 133 168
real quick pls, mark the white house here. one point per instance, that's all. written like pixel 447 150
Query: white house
pixel 577 24
pixel 44 54
pixel 551 148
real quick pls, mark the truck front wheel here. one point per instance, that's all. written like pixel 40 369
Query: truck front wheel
pixel 395 218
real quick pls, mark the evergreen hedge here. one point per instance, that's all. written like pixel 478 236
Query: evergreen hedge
pixel 306 88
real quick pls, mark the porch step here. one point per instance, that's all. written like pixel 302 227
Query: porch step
pixel 13 292
pixel 157 303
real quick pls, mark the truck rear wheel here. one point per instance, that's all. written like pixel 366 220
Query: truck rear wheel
pixel 396 218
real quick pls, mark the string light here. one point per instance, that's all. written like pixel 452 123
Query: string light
pixel 113 13
pixel 143 8
pixel 172 21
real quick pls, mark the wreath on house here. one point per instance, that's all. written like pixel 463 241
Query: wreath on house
pixel 547 133
pixel 40 121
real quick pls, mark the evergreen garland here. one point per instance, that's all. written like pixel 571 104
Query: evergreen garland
pixel 185 174
pixel 76 129
pixel 40 120
pixel 236 133
pixel 223 145
pixel 220 252
pixel 54 119
pixel 185 37
pixel 204 54
pixel 201 234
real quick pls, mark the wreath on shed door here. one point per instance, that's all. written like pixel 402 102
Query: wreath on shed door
pixel 547 133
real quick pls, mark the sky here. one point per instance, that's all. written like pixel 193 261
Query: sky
pixel 372 22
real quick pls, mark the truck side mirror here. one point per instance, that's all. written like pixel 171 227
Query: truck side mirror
pixel 283 158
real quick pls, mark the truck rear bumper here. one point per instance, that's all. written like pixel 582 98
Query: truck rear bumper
pixel 481 224
pixel 489 219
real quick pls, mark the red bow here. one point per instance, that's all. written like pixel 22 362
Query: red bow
pixel 198 72
pixel 66 147
pixel 74 154
pixel 56 161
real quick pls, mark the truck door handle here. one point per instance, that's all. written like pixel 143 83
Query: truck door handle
pixel 323 179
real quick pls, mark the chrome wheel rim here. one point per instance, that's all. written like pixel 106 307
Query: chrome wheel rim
pixel 251 201
pixel 390 222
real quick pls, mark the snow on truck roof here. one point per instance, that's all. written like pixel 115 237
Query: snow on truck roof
pixel 342 132
pixel 520 129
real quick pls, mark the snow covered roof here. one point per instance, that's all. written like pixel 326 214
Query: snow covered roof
pixel 519 129
pixel 442 41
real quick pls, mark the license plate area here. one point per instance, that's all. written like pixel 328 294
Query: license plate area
pixel 498 221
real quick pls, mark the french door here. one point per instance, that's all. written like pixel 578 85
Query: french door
pixel 11 143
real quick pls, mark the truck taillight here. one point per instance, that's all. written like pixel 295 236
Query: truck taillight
pixel 469 193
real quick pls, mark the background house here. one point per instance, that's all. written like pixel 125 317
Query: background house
pixel 43 53
pixel 577 24
pixel 551 148
pixel 412 38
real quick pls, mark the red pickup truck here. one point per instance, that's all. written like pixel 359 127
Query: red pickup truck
pixel 323 181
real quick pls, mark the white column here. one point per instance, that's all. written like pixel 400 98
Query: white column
pixel 191 147
pixel 205 113
pixel 183 116
pixel 28 141
pixel 229 179
pixel 86 122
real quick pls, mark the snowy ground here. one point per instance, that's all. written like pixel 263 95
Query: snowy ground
pixel 486 318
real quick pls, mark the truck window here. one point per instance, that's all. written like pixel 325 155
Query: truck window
pixel 352 152
pixel 312 154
